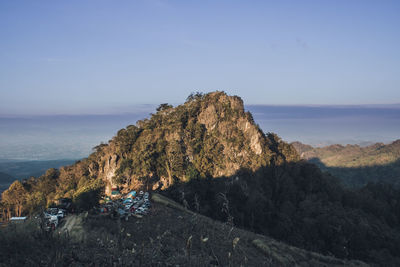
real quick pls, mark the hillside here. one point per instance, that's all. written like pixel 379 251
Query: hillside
pixel 356 165
pixel 209 155
pixel 165 237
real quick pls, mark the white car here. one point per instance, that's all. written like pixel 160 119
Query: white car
pixel 141 210
pixel 60 214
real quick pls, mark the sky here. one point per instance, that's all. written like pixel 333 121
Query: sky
pixel 102 56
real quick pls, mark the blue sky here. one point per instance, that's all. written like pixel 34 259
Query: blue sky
pixel 72 57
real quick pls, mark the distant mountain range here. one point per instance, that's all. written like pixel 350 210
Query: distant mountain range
pixel 356 165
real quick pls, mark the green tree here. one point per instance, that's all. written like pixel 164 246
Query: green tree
pixel 163 107
pixel 15 196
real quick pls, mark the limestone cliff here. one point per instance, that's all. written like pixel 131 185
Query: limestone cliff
pixel 209 135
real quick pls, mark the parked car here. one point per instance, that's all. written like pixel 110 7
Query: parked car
pixel 50 212
pixel 60 214
pixel 52 223
pixel 128 200
pixel 141 210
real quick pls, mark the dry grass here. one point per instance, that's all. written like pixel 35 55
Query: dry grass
pixel 168 236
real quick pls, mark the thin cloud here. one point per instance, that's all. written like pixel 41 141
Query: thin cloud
pixel 301 43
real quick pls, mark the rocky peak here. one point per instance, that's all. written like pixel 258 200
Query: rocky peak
pixel 210 135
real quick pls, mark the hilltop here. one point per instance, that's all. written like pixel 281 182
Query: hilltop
pixel 354 164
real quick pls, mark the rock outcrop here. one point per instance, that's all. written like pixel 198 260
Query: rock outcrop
pixel 210 135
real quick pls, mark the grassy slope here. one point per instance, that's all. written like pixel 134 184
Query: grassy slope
pixel 353 155
pixel 357 165
pixel 166 237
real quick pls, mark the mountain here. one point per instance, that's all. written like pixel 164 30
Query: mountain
pixel 209 155
pixel 208 136
pixel 357 165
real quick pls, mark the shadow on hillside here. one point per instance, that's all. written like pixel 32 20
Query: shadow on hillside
pixel 301 205
pixel 357 177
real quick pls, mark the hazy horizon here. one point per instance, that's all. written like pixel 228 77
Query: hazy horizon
pixel 143 108
pixel 49 137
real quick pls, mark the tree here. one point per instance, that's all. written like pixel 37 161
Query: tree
pixel 15 196
pixel 163 107
pixel 194 96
